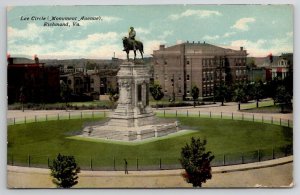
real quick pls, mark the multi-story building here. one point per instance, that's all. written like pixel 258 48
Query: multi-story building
pixel 32 80
pixel 178 68
pixel 103 81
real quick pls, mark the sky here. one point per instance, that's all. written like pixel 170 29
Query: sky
pixel 260 29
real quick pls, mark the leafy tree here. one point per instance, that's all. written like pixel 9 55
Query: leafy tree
pixel 64 92
pixel 282 97
pixel 64 170
pixel 221 92
pixel 239 94
pixel 156 91
pixel 196 162
pixel 271 87
pixel 195 94
pixel 257 91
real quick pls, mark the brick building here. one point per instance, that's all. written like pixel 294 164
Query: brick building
pixel 179 67
pixel 39 84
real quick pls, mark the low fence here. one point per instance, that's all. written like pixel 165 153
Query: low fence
pixel 58 116
pixel 262 118
pixel 97 163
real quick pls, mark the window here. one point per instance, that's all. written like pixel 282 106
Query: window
pixel 139 93
pixel 179 78
pixel 165 62
pixel 188 77
pixel 188 91
pixel 188 62
pixel 179 91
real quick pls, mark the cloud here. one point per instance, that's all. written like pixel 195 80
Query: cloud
pixel 165 34
pixel 31 32
pixel 229 34
pixel 196 13
pixel 261 47
pixel 242 24
pixel 97 45
pixel 179 41
pixel 140 30
pixel 151 45
pixel 216 37
pixel 94 40
pixel 208 37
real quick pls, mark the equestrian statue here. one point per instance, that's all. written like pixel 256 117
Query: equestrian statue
pixel 129 43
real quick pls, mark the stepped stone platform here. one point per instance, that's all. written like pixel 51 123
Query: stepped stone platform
pixel 124 133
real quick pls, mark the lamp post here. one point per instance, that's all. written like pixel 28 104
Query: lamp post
pixel 173 93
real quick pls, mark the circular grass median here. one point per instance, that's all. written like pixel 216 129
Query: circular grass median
pixel 36 144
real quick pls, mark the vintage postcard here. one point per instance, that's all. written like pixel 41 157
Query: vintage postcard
pixel 150 96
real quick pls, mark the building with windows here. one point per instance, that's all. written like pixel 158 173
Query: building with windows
pixel 31 81
pixel 178 68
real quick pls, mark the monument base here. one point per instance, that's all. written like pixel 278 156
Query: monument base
pixel 133 119
pixel 124 133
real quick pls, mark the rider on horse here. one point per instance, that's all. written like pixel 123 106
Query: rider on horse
pixel 131 36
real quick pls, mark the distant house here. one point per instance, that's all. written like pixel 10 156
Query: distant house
pixel 37 82
pixel 283 66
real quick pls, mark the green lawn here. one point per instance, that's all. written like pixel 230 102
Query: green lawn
pixel 260 104
pixel 46 139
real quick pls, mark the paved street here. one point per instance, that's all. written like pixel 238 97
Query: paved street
pixel 272 173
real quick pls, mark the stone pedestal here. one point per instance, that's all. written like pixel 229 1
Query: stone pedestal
pixel 133 108
pixel 133 119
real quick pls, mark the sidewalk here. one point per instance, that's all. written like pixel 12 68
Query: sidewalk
pixel 279 172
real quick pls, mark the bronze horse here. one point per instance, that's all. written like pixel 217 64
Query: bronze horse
pixel 128 45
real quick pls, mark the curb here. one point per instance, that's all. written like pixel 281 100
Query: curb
pixel 162 173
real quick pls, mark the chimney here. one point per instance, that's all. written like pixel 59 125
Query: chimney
pixel 36 59
pixel 241 48
pixel 9 59
pixel 161 47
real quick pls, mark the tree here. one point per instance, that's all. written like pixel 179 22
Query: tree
pixel 64 92
pixel 239 94
pixel 221 92
pixel 257 91
pixel 282 97
pixel 64 170
pixel 195 94
pixel 196 162
pixel 156 92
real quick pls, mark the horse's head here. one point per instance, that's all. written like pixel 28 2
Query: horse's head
pixel 125 39
pixel 125 42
